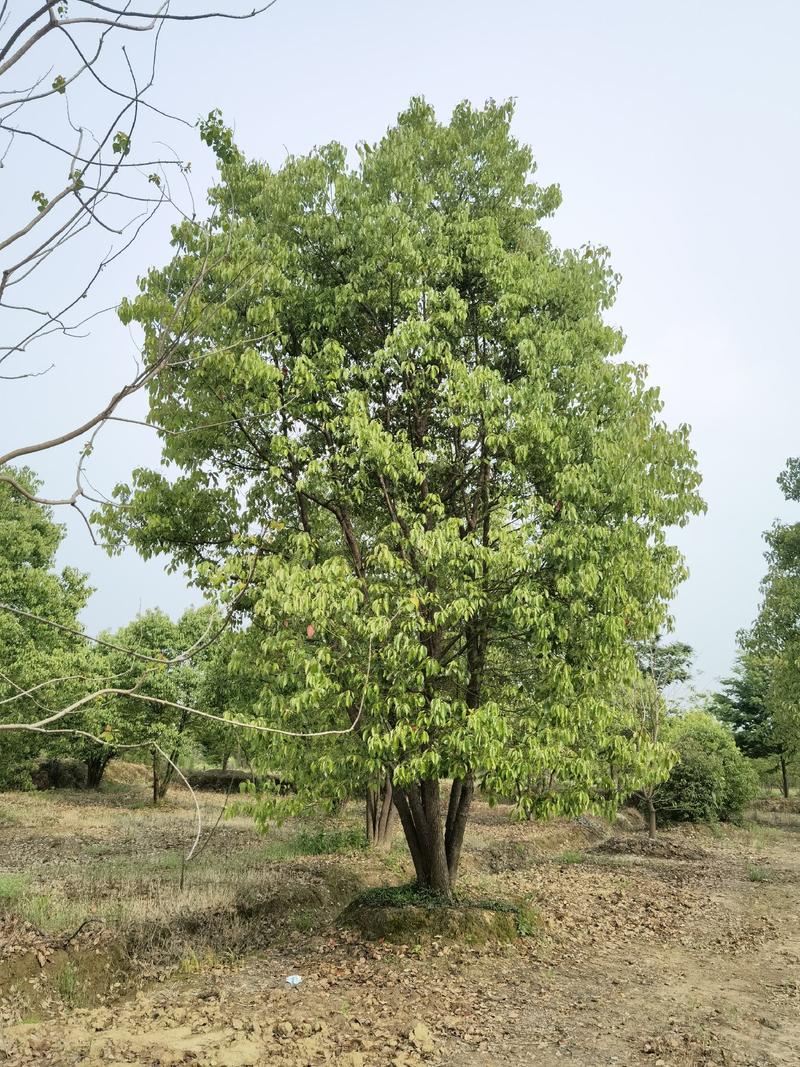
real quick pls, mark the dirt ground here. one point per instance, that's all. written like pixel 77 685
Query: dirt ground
pixel 678 955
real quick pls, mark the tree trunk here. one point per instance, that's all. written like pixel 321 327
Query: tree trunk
pixel 155 777
pixel 168 774
pixel 165 779
pixel 784 778
pixel 380 815
pixel 651 816
pixel 96 766
pixel 433 841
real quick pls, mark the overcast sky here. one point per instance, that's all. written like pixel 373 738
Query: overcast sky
pixel 672 130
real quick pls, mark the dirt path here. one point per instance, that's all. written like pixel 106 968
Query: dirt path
pixel 722 988
pixel 688 958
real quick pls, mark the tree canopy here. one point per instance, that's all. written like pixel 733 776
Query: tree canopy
pixel 406 419
pixel 744 704
pixel 137 719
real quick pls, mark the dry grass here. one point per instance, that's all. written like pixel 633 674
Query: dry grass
pixel 114 859
pixel 622 924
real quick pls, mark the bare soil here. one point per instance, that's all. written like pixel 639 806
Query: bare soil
pixel 679 954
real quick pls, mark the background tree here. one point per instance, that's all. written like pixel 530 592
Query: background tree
pixel 296 775
pixel 77 110
pixel 775 635
pixel 745 703
pixel 711 779
pixel 417 412
pixel 222 690
pixel 171 730
pixel 659 666
pixel 38 663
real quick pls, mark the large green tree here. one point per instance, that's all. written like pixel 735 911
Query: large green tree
pixel 409 405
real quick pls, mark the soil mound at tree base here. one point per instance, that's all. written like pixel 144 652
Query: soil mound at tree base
pixel 408 924
pixel 406 916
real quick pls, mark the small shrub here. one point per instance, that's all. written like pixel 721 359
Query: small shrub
pixel 711 779
pixel 8 818
pixel 59 774
pixel 324 842
pixel 191 963
pixel 304 921
pixel 758 874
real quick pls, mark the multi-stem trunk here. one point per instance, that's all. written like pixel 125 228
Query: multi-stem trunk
pixel 434 837
pixel 95 767
pixel 380 815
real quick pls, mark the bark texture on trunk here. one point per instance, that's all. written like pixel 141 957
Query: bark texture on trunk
pixel 165 779
pixel 162 777
pixel 380 815
pixel 651 817
pixel 435 837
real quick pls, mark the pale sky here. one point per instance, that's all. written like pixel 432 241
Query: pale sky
pixel 673 133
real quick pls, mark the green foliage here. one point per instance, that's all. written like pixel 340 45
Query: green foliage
pixel 218 137
pixel 121 144
pixel 572 857
pixel 711 779
pixel 51 659
pixel 319 841
pixel 745 703
pixel 404 418
pixel 325 842
pixel 666 664
pixel 774 639
pixel 16 769
pixel 66 982
pixel 642 711
pixel 35 655
pixel 162 675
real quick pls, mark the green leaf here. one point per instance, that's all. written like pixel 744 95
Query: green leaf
pixel 121 144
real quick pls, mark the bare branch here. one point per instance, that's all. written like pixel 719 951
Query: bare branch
pixel 133 694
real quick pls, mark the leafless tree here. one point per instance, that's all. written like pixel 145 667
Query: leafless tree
pixel 77 78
